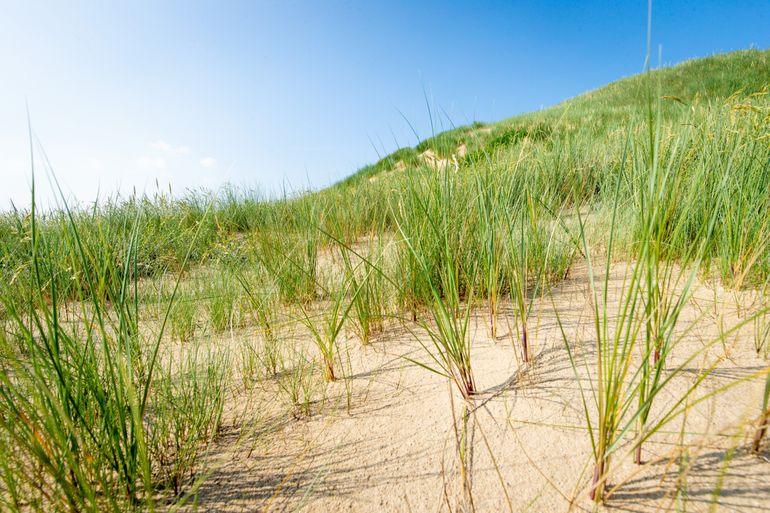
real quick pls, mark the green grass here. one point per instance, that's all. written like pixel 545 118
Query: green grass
pixel 296 383
pixel 370 304
pixel 75 396
pixel 667 171
pixel 188 399
pixel 435 242
pixel 184 319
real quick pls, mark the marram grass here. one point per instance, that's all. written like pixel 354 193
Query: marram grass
pixel 667 172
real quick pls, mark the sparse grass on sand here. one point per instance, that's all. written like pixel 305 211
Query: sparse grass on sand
pixel 565 310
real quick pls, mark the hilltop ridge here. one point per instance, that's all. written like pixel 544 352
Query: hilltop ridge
pixel 599 111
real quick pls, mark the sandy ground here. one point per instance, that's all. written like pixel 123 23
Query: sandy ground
pixel 394 448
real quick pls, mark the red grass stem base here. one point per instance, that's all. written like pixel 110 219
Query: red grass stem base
pixel 759 434
pixel 597 484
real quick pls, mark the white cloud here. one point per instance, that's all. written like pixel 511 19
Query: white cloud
pixel 208 162
pixel 152 163
pixel 167 148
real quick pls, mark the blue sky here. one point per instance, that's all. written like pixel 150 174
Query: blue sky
pixel 272 94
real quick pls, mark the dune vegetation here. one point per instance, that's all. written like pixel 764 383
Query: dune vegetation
pixel 567 309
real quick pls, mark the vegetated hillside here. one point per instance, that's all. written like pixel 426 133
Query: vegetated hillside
pixel 618 243
pixel 597 115
pixel 577 143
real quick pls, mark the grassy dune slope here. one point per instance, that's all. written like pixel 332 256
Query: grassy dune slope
pixel 133 332
pixel 597 113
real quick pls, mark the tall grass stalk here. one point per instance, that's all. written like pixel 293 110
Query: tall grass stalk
pixel 531 248
pixel 326 327
pixel 490 259
pixel 222 300
pixel 184 319
pixel 292 260
pixel 369 306
pixel 645 323
pixel 263 306
pixel 74 399
pixel 662 208
pixel 186 410
pixel 451 347
pixel 295 382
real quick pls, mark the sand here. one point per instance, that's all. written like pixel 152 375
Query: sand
pixel 385 438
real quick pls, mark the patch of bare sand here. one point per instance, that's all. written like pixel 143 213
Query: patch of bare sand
pixel 394 450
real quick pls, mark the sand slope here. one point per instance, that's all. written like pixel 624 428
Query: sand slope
pixel 395 448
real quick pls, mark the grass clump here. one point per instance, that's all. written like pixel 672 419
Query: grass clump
pixel 184 319
pixel 370 302
pixel 325 327
pixel 295 382
pixel 263 305
pixel 222 301
pixel 185 415
pixel 440 274
pixel 78 380
pixel 96 415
